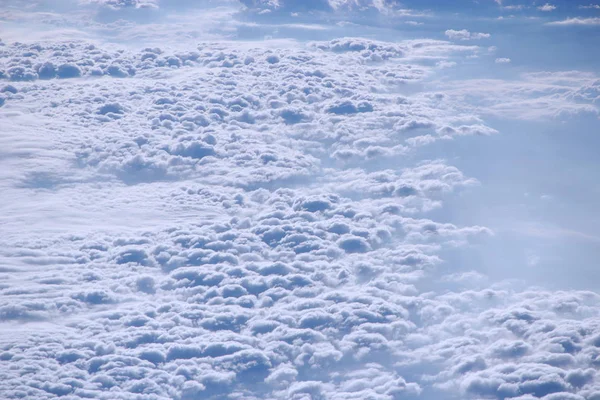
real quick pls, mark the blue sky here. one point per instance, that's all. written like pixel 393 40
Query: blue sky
pixel 280 199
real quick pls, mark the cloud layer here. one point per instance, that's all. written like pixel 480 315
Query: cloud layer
pixel 255 220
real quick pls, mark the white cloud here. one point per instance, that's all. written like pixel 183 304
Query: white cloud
pixel 577 21
pixel 533 96
pixel 169 135
pixel 514 7
pixel 260 219
pixel 384 7
pixel 464 34
pixel 445 64
pixel 502 60
pixel 547 7
pixel 590 6
pixel 120 4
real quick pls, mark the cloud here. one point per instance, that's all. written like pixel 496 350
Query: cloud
pixel 388 7
pixel 502 60
pixel 120 4
pixel 245 219
pixel 259 293
pixel 533 96
pixel 576 21
pixel 590 6
pixel 514 7
pixel 464 34
pixel 547 7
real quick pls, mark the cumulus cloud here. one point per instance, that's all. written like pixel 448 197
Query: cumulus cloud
pixel 261 220
pixel 547 7
pixel 502 60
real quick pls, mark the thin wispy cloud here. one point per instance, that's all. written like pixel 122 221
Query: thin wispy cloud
pixel 464 34
pixel 577 21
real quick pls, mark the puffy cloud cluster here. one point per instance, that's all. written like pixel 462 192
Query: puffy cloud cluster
pixel 300 298
pixel 244 222
pixel 30 62
pixel 285 292
pixel 233 114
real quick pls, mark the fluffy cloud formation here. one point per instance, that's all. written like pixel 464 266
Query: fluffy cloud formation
pixel 547 7
pixel 250 220
pixel 267 247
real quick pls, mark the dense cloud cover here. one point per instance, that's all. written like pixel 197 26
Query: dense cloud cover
pixel 246 220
